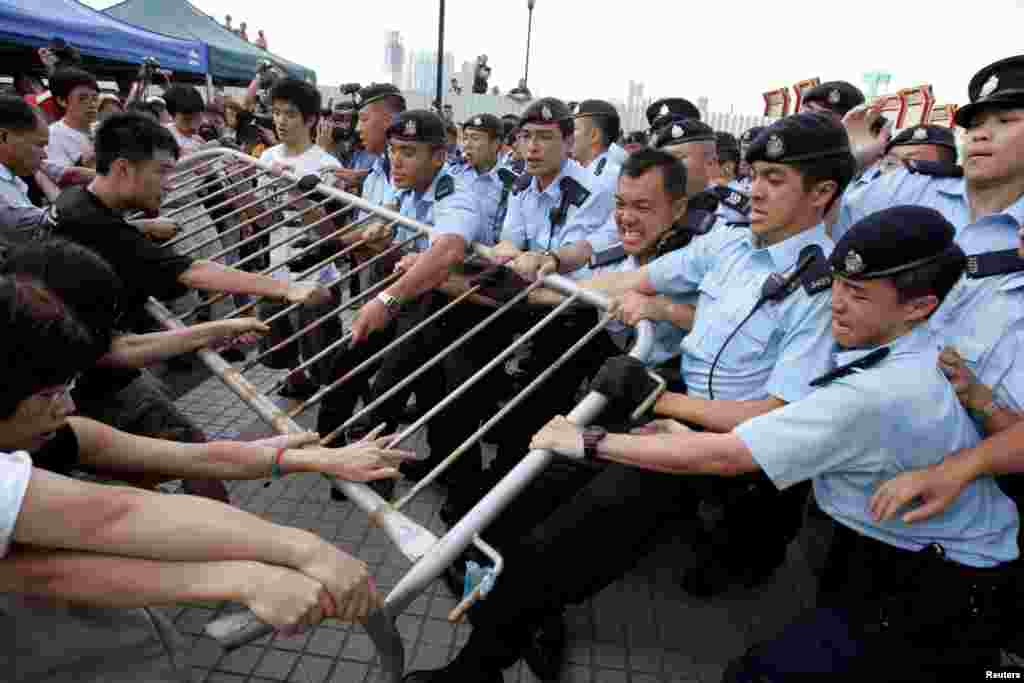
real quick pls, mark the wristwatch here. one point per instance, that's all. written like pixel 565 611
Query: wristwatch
pixel 554 256
pixel 392 303
pixel 591 437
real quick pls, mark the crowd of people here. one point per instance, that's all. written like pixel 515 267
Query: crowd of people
pixel 836 311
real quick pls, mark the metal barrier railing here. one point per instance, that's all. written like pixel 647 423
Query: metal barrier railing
pixel 429 554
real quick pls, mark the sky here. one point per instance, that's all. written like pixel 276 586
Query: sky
pixel 730 53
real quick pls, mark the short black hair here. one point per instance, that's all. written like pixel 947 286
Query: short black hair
pixel 66 79
pixel 83 280
pixel 839 167
pixel 673 171
pixel 609 126
pixel 183 99
pixel 17 114
pixel 304 96
pixel 143 108
pixel 936 278
pixel 43 345
pixel 133 136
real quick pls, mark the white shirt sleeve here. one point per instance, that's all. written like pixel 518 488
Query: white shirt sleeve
pixel 15 472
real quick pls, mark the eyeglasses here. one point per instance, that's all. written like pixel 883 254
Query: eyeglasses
pixel 61 395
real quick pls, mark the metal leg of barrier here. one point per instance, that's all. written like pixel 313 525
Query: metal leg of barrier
pixel 300 276
pixel 497 417
pixel 202 186
pixel 323 240
pixel 233 199
pixel 320 321
pixel 344 340
pixel 475 330
pixel 244 207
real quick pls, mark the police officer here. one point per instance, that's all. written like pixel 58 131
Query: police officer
pixel 728 158
pixel 693 142
pixel 897 600
pixel 743 170
pixel 377 103
pixel 660 111
pixel 984 201
pixel 596 128
pixel 428 194
pixel 482 141
pixel 924 143
pixel 584 544
pixel 835 98
pixel 634 142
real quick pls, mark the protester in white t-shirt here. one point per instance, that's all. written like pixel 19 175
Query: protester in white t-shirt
pixel 77 93
pixel 296 108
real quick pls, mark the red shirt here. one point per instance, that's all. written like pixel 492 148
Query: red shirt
pixel 48 103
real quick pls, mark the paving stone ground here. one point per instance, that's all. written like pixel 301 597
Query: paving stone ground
pixel 642 629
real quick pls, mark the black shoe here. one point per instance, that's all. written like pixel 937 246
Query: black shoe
pixel 546 653
pixel 447 675
pixel 298 391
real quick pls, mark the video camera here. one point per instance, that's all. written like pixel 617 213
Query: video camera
pixel 268 74
pixel 247 131
pixel 345 131
pixel 66 55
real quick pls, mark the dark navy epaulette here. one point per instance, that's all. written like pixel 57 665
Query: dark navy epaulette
pixel 818 276
pixel 518 166
pixel 868 361
pixel 994 263
pixel 575 193
pixel 734 199
pixel 444 188
pixel 699 221
pixel 600 166
pixel 605 257
pixel 938 169
pixel 508 178
pixel 522 182
pixel 705 201
pixel 738 224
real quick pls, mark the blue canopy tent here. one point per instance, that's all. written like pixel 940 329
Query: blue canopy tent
pixel 233 61
pixel 100 38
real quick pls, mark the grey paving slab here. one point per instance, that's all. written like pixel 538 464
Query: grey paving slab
pixel 642 629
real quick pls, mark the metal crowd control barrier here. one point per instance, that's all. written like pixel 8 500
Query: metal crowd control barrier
pixel 429 554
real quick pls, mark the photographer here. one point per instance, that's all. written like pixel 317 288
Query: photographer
pixel 56 56
pixel 481 75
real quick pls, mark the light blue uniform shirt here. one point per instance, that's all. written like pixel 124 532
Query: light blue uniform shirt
pixel 488 190
pixel 862 430
pixel 667 337
pixel 20 219
pixel 360 160
pixel 528 221
pixel 978 313
pixel 609 169
pixel 377 187
pixel 781 348
pixel 457 213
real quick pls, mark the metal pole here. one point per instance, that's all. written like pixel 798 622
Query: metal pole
pixel 529 30
pixel 440 61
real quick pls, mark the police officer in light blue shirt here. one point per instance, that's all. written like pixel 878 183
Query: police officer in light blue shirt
pixel 987 304
pixel 480 172
pixel 694 143
pixel 754 343
pixel 377 103
pixel 896 600
pixel 557 216
pixel 596 127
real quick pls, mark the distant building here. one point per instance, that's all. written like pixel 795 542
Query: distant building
pixel 424 71
pixel 394 58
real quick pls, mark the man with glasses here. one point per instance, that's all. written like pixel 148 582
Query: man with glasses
pixel 71 138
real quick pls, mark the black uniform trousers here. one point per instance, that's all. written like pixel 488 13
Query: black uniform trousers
pixel 573 531
pixel 887 614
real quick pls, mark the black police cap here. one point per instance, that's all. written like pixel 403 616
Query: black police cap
pixel 892 241
pixel 941 136
pixel 376 92
pixel 1000 84
pixel 728 145
pixel 671 106
pixel 596 108
pixel 837 96
pixel 547 110
pixel 749 136
pixel 800 137
pixel 678 131
pixel 418 125
pixel 488 122
pixel 637 137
